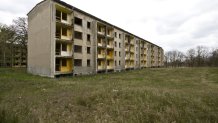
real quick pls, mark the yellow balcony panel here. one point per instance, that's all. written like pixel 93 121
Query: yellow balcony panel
pixel 63 33
pixel 109 57
pixel 64 66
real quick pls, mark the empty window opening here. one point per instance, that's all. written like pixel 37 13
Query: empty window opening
pixel 119 45
pixel 115 34
pixel 99 63
pixel 58 33
pixel 63 62
pixel 115 63
pixel 88 25
pixel 119 62
pixel 88 50
pixel 120 54
pixel 99 52
pixel 77 49
pixel 78 35
pixel 120 36
pixel 77 62
pixel 64 16
pixel 58 15
pixel 78 21
pixel 64 31
pixel 99 29
pixel 115 53
pixel 64 47
pixel 88 63
pixel 115 44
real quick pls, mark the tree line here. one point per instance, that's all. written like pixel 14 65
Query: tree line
pixel 13 42
pixel 200 56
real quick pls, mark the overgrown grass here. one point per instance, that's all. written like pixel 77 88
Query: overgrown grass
pixel 148 95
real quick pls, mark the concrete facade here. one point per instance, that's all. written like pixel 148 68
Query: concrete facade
pixel 64 40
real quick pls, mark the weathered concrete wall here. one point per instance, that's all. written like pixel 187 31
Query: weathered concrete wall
pixel 84 69
pixel 119 49
pixel 39 40
pixel 137 53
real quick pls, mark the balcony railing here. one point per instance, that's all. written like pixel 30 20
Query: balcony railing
pixel 109 57
pixel 101 67
pixel 101 56
pixel 101 32
pixel 110 67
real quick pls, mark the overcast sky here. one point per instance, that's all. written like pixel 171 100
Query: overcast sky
pixel 171 24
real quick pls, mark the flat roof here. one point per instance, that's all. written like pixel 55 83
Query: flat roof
pixel 94 17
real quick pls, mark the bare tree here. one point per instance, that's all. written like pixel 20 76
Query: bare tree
pixel 190 57
pixel 7 38
pixel 20 26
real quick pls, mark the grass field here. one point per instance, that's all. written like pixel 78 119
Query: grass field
pixel 148 95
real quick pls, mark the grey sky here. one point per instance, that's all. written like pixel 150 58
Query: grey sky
pixel 172 24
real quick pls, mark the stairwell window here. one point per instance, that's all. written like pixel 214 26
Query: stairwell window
pixel 78 21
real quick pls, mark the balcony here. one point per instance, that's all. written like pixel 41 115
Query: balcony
pixel 110 54
pixel 101 33
pixel 63 50
pixel 110 33
pixel 101 29
pixel 126 42
pixel 110 65
pixel 101 56
pixel 63 16
pixel 101 68
pixel 132 58
pixel 110 45
pixel 101 65
pixel 132 50
pixel 63 33
pixel 132 42
pixel 63 65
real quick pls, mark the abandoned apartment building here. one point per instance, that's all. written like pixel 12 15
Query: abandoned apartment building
pixel 64 40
